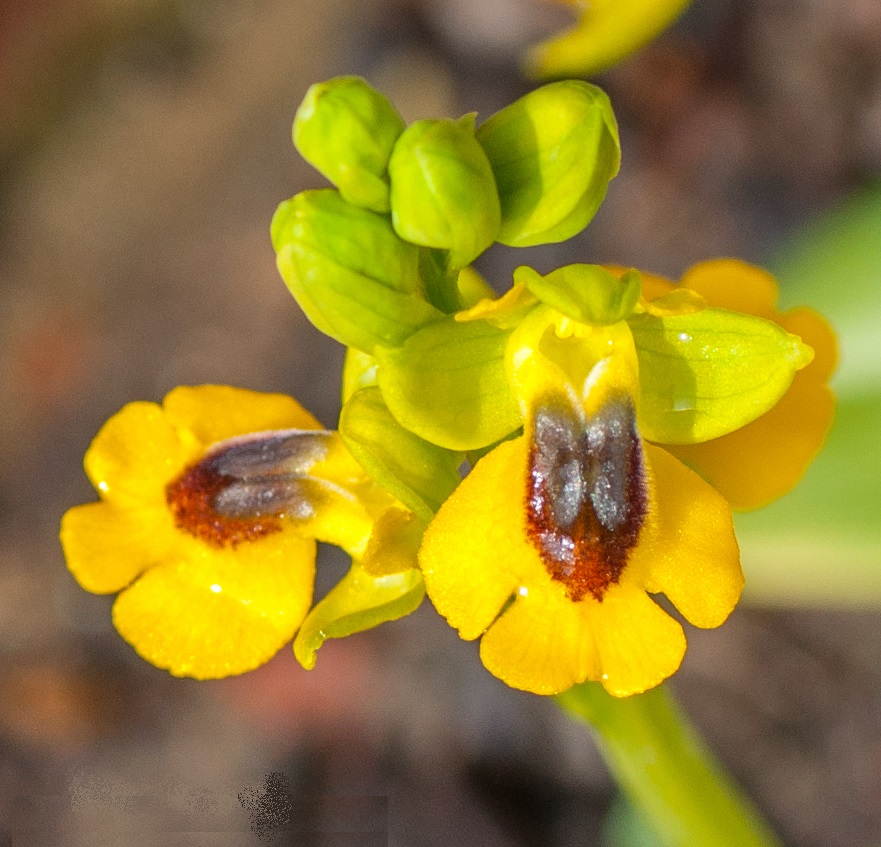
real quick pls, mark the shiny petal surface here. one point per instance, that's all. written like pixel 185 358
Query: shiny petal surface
pixel 220 613
pixel 136 453
pixel 216 412
pixel 473 555
pixel 543 642
pixel 639 644
pixel 762 461
pixel 687 548
pixel 106 547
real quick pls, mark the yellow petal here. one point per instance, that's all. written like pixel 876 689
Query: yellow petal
pixel 543 642
pixel 219 612
pixel 216 412
pixel 136 453
pixel 687 548
pixel 735 285
pixel 106 547
pixel 638 643
pixel 473 556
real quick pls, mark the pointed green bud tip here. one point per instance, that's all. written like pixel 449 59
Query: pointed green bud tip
pixel 588 294
pixel 443 193
pixel 351 274
pixel 347 129
pixel 553 153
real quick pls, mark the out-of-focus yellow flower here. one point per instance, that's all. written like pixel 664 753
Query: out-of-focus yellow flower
pixel 210 504
pixel 550 548
pixel 607 31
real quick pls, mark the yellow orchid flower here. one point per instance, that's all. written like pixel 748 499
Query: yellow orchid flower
pixel 550 548
pixel 607 31
pixel 210 507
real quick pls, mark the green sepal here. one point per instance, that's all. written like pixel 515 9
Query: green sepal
pixel 447 383
pixel 443 193
pixel 360 601
pixel 586 293
pixel 708 373
pixel 351 274
pixel 553 153
pixel 419 474
pixel 346 129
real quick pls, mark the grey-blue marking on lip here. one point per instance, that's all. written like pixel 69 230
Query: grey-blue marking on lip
pixel 586 493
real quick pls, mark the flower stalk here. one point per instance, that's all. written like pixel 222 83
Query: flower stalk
pixel 669 776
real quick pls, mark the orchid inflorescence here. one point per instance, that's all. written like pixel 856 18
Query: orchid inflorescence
pixel 609 419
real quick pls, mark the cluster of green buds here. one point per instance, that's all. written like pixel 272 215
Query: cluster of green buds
pixel 379 257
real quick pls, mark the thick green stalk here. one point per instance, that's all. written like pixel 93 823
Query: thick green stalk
pixel 666 772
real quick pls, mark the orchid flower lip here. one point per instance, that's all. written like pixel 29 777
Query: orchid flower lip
pixel 242 488
pixel 587 495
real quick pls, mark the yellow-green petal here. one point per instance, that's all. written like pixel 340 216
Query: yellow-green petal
pixel 707 373
pixel 220 613
pixel 447 383
pixel 360 601
pixel 419 474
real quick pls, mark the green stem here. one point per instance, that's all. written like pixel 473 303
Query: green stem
pixel 666 772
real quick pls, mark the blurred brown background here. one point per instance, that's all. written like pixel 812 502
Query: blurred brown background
pixel 143 148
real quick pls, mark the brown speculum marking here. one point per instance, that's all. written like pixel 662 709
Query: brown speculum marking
pixel 243 488
pixel 586 498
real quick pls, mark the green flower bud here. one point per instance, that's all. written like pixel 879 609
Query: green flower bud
pixel 553 153
pixel 352 276
pixel 442 189
pixel 586 293
pixel 346 130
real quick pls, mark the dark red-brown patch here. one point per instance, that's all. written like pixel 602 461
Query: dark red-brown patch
pixel 191 498
pixel 586 497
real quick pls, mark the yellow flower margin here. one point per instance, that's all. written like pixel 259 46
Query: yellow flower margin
pixel 484 575
pixel 185 605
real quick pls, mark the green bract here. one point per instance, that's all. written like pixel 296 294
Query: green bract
pixel 419 474
pixel 442 189
pixel 553 153
pixel 360 601
pixel 586 293
pixel 352 276
pixel 708 373
pixel 447 384
pixel 346 130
